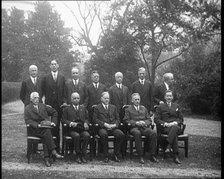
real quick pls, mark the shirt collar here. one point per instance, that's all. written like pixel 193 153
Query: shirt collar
pixel 56 73
pixel 142 80
pixel 118 85
pixel 136 107
pixel 105 106
pixel 75 106
pixel 75 80
pixel 167 86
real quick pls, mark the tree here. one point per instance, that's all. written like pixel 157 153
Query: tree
pixel 48 38
pixel 13 42
pixel 162 26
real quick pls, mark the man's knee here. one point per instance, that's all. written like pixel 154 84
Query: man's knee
pixel 136 133
pixel 103 133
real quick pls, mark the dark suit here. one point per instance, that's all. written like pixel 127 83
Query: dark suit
pixel 94 97
pixel 28 87
pixel 54 93
pixel 144 92
pixel 159 93
pixel 163 114
pixel 110 116
pixel 70 114
pixel 119 97
pixel 80 88
pixel 132 116
pixel 33 117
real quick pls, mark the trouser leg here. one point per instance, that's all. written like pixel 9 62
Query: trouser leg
pixel 119 140
pixel 85 137
pixel 104 141
pixel 76 141
pixel 152 136
pixel 138 143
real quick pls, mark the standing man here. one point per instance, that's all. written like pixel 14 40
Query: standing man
pixel 143 88
pixel 168 117
pixel 54 92
pixel 32 84
pixel 119 94
pixel 167 84
pixel 76 85
pixel 34 114
pixel 94 92
pixel 107 117
pixel 137 116
pixel 76 117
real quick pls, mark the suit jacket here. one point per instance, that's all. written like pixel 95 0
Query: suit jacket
pixel 34 117
pixel 119 97
pixel 164 113
pixel 160 92
pixel 28 87
pixel 71 115
pixel 110 116
pixel 80 88
pixel 144 92
pixel 132 115
pixel 54 92
pixel 94 95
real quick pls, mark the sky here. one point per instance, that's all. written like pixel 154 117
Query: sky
pixel 66 15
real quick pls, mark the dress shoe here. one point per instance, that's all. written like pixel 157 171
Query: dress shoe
pixel 78 160
pixel 47 163
pixel 154 159
pixel 176 160
pixel 83 159
pixel 141 160
pixel 116 159
pixel 106 160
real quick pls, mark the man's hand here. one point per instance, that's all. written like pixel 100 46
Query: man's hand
pixel 113 125
pixel 73 124
pixel 161 102
pixel 108 126
pixel 53 124
pixel 86 126
pixel 64 105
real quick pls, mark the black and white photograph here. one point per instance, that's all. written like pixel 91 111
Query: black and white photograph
pixel 111 89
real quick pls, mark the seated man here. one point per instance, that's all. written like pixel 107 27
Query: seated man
pixel 107 117
pixel 76 117
pixel 137 115
pixel 168 117
pixel 34 114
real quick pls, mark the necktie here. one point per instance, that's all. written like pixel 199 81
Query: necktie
pixel 96 85
pixel 106 107
pixel 142 82
pixel 169 104
pixel 55 78
pixel 120 86
pixel 76 83
pixel 36 107
pixel 34 81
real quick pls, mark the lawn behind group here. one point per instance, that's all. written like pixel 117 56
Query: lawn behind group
pixel 204 155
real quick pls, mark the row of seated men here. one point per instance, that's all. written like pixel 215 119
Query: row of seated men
pixel 57 91
pixel 167 115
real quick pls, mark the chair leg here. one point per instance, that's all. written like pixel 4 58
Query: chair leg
pixel 186 147
pixel 66 150
pixel 131 148
pixel 29 150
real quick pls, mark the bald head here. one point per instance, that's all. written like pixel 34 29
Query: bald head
pixel 33 70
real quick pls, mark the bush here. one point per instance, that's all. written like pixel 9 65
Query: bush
pixel 10 91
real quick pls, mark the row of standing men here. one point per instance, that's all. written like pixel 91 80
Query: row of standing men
pixel 57 91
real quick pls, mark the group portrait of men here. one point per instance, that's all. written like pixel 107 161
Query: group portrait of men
pixel 76 104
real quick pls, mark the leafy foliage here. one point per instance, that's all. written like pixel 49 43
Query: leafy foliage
pixel 198 79
pixel 36 40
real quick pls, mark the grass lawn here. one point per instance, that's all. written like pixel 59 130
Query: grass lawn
pixel 204 154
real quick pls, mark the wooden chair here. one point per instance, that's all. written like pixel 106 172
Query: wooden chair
pixel 181 137
pixel 33 141
pixel 67 141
